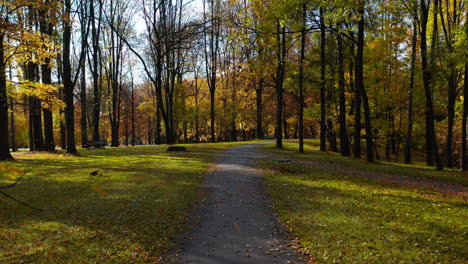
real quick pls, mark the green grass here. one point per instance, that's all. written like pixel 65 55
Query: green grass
pixel 344 219
pixel 414 170
pixel 130 214
pixel 340 218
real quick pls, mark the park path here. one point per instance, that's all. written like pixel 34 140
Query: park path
pixel 236 222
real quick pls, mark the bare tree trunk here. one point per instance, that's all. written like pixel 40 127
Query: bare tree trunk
pixel 83 95
pixel 4 144
pixel 158 125
pixel 344 140
pixel 409 130
pixel 47 28
pixel 68 82
pixel 464 154
pixel 14 147
pixel 95 69
pixel 323 124
pixel 360 81
pixel 150 134
pixel 431 142
pixel 451 94
pixel 259 108
pixel 301 80
pixel 132 105
pixel 331 135
pixel 197 118
pixel 357 117
pixel 126 126
pixel 285 122
pixel 36 135
pixel 280 71
pixel 211 59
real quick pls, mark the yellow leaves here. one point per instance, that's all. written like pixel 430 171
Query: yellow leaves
pixel 11 176
pixel 47 93
pixel 11 169
pixel 11 172
pixel 16 171
pixel 27 46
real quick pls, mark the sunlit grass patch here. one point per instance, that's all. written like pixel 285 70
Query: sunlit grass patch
pixel 112 205
pixel 343 219
pixel 413 170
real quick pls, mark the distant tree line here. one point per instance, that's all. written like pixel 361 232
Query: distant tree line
pixel 383 79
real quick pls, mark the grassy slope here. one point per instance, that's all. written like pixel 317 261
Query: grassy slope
pixel 343 219
pixel 130 214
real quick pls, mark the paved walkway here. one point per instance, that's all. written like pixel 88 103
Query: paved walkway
pixel 236 222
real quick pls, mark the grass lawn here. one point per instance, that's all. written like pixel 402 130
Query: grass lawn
pixel 129 212
pixel 343 219
pixel 417 169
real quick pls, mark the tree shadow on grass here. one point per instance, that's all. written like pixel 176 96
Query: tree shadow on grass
pixel 358 220
pixel 132 214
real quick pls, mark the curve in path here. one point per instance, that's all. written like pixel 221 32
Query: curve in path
pixel 236 222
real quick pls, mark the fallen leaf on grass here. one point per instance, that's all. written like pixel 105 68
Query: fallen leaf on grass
pixel 99 190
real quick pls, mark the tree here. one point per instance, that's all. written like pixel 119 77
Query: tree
pixel 464 154
pixel 211 39
pixel 84 25
pixel 344 140
pixel 323 102
pixel 414 40
pixel 427 68
pixel 69 79
pixel 301 78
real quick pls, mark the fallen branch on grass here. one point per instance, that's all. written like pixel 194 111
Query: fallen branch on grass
pixel 14 199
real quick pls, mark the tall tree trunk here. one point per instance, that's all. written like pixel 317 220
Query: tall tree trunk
pixel 280 71
pixel 63 136
pixel 464 154
pixel 197 117
pixel 127 132
pixel 233 110
pixel 431 142
pixel 150 132
pixel 67 81
pixel 360 81
pixel 4 144
pixel 344 140
pixel 132 105
pixel 409 109
pixel 114 120
pixel 95 31
pixel 36 135
pixel 14 147
pixel 323 124
pixel 285 122
pixel 83 103
pixel 301 80
pixel 259 108
pixel 49 145
pixel 452 94
pixel 331 136
pixel 211 60
pixel 212 114
pixel 357 116
pixel 184 110
pixel 158 124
